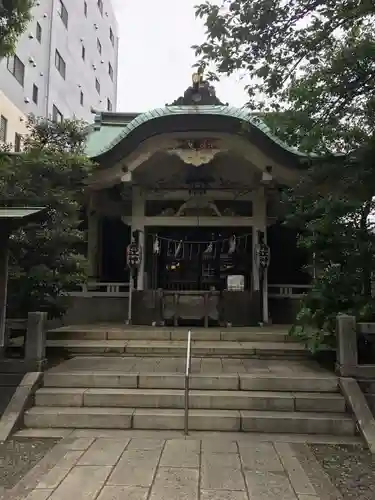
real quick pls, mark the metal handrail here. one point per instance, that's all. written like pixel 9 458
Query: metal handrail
pixel 187 383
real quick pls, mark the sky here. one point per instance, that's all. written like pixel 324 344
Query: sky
pixel 155 55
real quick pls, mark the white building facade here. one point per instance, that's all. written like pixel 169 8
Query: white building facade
pixel 66 61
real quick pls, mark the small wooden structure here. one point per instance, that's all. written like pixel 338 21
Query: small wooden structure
pixel 10 220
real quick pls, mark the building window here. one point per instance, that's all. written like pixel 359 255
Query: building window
pixel 17 142
pixel 85 8
pixel 63 13
pixel 99 45
pixel 38 32
pixel 60 64
pixel 56 114
pixel 35 93
pixel 17 68
pixel 97 85
pixel 3 128
pixel 81 98
pixel 110 71
pixel 111 36
pixel 100 5
pixel 83 52
pixel 109 105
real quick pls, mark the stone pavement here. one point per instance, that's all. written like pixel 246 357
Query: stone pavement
pixel 144 468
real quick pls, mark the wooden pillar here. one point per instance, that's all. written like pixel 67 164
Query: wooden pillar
pixel 93 231
pixel 260 224
pixel 256 277
pixel 4 255
pixel 138 223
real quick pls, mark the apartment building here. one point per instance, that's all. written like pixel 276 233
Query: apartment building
pixel 65 63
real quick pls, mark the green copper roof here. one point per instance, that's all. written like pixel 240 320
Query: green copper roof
pixel 106 136
pixel 99 139
pixel 19 213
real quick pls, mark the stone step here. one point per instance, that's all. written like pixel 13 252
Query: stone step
pixel 297 422
pixel 201 381
pixel 174 398
pixel 177 348
pixel 208 420
pixel 250 334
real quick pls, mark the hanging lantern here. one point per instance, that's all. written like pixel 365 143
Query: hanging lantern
pixel 133 256
pixel 263 255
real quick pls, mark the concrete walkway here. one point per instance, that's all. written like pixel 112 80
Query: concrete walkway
pixel 140 468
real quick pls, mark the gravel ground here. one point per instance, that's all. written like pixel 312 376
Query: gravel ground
pixel 350 468
pixel 18 456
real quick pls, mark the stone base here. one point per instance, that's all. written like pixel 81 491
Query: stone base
pixel 235 308
pixel 283 311
pixel 147 307
pixel 240 308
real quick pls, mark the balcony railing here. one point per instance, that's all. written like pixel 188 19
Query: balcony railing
pixel 287 291
pixel 98 289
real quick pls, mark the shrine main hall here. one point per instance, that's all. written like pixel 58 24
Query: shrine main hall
pixel 196 185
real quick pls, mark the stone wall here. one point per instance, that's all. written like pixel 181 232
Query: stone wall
pixel 235 307
pixel 86 310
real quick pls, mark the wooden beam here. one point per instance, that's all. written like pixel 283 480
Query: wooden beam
pixel 194 221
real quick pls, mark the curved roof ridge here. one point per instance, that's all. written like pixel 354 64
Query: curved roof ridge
pixel 242 114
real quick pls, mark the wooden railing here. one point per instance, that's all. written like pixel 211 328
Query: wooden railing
pixel 287 291
pixel 98 289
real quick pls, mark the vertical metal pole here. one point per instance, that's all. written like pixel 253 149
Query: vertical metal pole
pixel 186 420
pixel 187 375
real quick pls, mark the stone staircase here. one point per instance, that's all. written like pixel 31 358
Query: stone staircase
pixel 108 340
pixel 253 379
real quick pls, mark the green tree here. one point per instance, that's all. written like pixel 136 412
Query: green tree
pixel 331 207
pixel 311 67
pixel 46 259
pixel 311 60
pixel 14 18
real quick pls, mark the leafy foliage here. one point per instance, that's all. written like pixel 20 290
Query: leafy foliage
pixel 311 60
pixel 45 257
pixel 332 204
pixel 14 17
pixel 312 70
